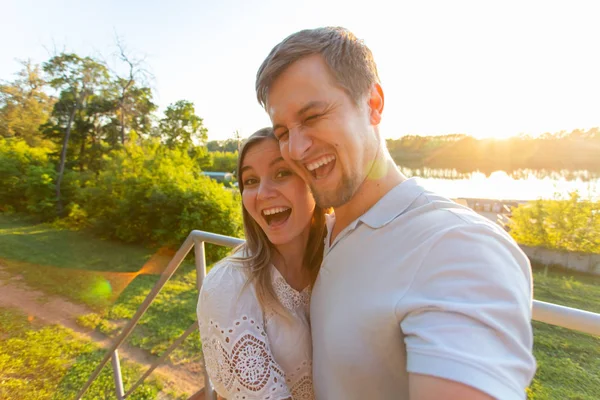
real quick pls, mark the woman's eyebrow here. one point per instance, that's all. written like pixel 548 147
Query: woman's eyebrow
pixel 275 161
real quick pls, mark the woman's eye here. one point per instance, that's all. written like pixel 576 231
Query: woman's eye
pixel 250 181
pixel 283 173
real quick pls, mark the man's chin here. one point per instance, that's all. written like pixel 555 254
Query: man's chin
pixel 331 198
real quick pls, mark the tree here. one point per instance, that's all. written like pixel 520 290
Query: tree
pixel 228 145
pixel 77 79
pixel 181 127
pixel 134 103
pixel 24 105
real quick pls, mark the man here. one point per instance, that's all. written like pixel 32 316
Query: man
pixel 417 298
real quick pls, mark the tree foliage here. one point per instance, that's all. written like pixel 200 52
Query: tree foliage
pixel 24 105
pixel 223 161
pixel 81 142
pixel 181 127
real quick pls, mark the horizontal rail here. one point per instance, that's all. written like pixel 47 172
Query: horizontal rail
pixel 567 317
pixel 215 238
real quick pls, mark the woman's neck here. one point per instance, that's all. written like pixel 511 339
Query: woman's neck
pixel 289 261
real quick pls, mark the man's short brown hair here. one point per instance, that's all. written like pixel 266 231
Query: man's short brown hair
pixel 349 60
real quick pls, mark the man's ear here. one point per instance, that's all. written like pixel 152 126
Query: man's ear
pixel 375 101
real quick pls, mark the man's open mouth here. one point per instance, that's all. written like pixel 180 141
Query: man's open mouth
pixel 321 167
pixel 276 216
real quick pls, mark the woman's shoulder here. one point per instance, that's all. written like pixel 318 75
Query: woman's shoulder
pixel 226 294
pixel 227 274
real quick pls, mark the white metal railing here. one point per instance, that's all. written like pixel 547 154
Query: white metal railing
pixel 566 317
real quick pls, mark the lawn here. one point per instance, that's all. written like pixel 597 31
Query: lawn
pixel 568 362
pixel 39 362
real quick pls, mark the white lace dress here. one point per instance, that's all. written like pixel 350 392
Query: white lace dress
pixel 249 354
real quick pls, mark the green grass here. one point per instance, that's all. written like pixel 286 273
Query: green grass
pixel 49 245
pixel 115 296
pixel 568 362
pixel 96 270
pixel 39 362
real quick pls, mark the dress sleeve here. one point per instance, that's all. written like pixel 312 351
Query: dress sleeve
pixel 236 348
pixel 470 316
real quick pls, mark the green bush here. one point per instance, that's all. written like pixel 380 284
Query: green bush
pixel 570 225
pixel 151 194
pixel 145 194
pixel 26 179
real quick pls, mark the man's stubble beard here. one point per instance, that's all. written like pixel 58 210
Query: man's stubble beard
pixel 348 187
pixel 337 196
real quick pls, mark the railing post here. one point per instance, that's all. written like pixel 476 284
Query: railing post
pixel 117 375
pixel 200 256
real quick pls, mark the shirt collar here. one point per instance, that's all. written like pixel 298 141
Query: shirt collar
pixel 392 204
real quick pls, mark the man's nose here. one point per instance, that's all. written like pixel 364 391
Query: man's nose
pixel 299 143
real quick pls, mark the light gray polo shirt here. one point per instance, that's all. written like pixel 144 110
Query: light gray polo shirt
pixel 420 284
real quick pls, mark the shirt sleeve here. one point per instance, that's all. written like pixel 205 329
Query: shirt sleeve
pixel 467 316
pixel 235 345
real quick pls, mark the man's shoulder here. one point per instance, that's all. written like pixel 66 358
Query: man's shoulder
pixel 434 212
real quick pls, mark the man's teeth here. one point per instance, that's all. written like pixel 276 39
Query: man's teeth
pixel 275 210
pixel 325 160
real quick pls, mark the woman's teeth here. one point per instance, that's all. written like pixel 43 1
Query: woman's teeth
pixel 275 210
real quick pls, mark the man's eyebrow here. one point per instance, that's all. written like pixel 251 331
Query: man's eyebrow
pixel 308 106
pixel 312 104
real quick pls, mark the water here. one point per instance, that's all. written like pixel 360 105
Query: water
pixel 514 185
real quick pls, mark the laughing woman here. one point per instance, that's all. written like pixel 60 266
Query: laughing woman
pixel 253 306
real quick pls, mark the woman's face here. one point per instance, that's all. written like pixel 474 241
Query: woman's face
pixel 275 197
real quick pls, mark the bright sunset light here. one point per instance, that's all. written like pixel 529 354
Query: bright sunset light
pixel 481 68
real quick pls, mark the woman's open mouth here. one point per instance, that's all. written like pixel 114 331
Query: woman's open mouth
pixel 276 216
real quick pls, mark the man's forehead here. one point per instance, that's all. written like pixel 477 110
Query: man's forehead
pixel 303 81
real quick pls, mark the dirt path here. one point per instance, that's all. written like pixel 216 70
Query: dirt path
pixel 14 293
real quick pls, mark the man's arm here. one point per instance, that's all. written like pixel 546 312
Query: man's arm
pixel 425 387
pixel 467 317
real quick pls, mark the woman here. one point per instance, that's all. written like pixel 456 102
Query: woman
pixel 253 306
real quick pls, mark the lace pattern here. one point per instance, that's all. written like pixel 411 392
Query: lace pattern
pixel 291 299
pixel 303 389
pixel 239 355
pixel 240 363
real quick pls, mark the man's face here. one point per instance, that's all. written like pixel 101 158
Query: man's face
pixel 327 139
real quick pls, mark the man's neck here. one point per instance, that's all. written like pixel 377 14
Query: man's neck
pixel 383 178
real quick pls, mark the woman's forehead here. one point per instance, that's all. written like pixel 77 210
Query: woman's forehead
pixel 262 154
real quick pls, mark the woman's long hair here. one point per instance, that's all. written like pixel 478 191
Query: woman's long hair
pixel 255 254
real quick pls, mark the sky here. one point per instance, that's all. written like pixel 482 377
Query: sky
pixel 488 69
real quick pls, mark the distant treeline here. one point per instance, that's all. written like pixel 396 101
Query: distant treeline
pixel 576 150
